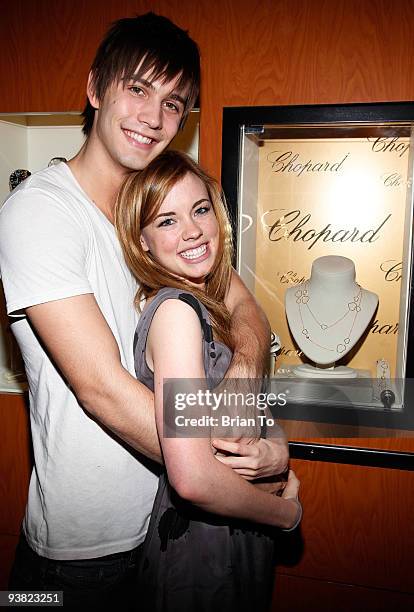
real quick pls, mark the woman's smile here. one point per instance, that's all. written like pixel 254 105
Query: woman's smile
pixel 195 253
pixel 184 235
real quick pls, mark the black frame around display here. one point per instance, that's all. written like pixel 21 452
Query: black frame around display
pixel 233 119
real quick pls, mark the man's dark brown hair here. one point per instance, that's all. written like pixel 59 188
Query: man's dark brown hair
pixel 157 46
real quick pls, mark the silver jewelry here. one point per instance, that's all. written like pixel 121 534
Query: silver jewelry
pixel 354 306
pixel 383 373
pixel 302 297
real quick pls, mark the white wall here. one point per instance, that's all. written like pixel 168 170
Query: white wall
pixel 43 143
pixel 13 153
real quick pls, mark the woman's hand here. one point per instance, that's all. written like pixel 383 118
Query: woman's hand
pixel 291 490
pixel 273 485
pixel 263 458
pixel 291 493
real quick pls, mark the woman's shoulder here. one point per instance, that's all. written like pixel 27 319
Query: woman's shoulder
pixel 168 296
pixel 165 299
pixel 174 335
pixel 181 323
pixel 176 308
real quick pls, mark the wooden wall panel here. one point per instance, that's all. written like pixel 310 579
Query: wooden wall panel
pixel 349 435
pixel 357 526
pixel 48 48
pixel 298 594
pixel 303 52
pixel 7 547
pixel 254 52
pixel 15 462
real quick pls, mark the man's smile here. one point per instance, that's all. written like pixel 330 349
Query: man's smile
pixel 137 137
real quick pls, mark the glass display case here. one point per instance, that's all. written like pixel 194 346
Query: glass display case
pixel 322 207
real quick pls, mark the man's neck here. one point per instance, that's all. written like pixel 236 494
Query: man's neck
pixel 99 177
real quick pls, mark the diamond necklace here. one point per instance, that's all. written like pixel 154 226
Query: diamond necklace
pixel 302 297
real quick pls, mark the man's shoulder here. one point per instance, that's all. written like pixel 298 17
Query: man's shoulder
pixel 49 190
pixel 52 180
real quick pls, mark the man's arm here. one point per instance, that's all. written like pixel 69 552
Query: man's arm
pixel 81 344
pixel 251 334
pixel 250 330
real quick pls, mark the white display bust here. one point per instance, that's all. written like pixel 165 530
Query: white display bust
pixel 328 314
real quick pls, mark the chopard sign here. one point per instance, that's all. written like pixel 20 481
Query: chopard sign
pixel 297 227
pixel 291 162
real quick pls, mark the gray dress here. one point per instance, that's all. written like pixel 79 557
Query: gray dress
pixel 193 560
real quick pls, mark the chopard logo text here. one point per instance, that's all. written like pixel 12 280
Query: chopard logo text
pixel 288 161
pixel 297 227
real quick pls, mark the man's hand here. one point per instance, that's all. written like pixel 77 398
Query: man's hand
pixel 262 459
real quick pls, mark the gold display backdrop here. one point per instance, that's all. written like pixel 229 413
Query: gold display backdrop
pixel 333 196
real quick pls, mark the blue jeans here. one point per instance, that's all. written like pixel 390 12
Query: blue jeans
pixel 93 584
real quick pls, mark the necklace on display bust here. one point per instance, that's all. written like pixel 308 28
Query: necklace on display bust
pixel 354 306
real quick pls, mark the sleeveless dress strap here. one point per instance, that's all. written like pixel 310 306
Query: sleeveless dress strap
pixel 216 355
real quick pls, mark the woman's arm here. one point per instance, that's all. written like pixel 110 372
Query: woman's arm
pixel 175 348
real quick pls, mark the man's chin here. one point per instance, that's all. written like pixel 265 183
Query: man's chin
pixel 134 163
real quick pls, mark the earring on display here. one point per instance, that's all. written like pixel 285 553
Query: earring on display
pixel 386 395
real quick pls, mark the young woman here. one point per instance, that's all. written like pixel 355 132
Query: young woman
pixel 176 239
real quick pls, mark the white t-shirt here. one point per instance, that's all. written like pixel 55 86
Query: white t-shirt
pixel 89 496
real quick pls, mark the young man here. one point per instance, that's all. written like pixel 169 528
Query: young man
pixel 70 294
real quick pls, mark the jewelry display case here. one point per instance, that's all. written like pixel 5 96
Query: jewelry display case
pixel 322 209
